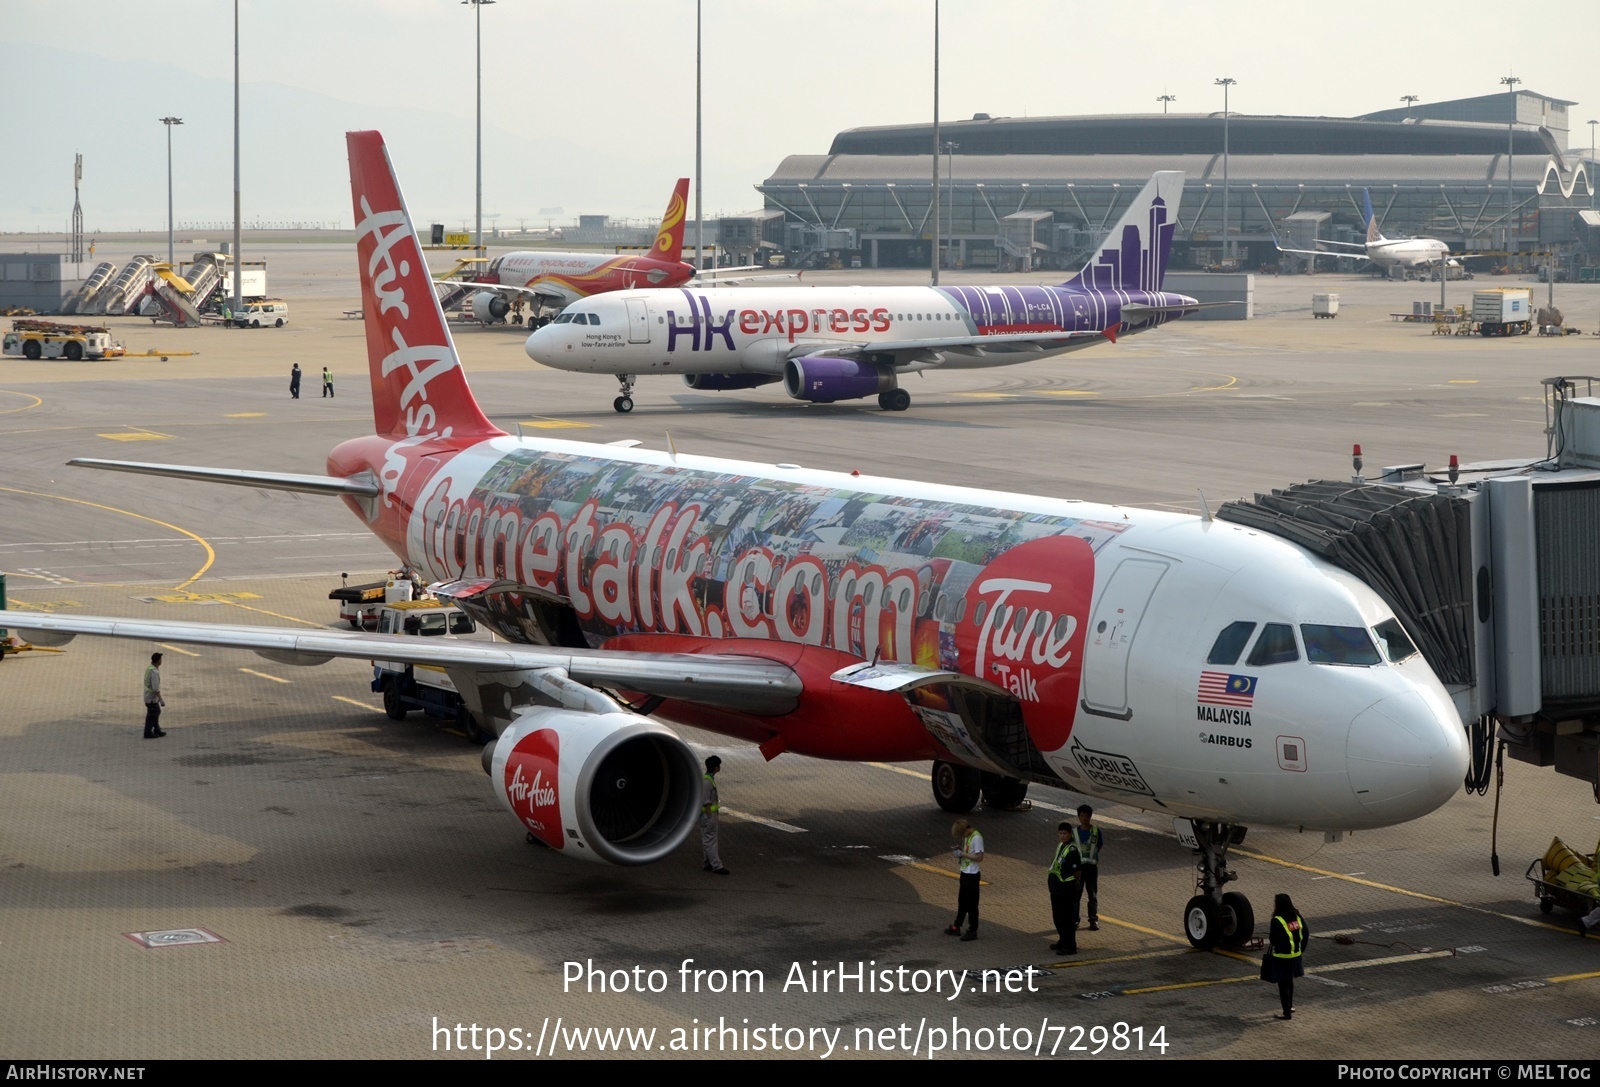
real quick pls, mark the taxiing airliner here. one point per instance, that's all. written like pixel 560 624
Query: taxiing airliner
pixel 551 280
pixel 845 343
pixel 1184 665
pixel 1385 253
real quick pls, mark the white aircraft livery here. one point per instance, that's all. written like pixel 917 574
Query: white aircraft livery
pixel 1185 665
pixel 844 343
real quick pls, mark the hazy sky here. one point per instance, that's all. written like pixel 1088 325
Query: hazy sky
pixel 589 105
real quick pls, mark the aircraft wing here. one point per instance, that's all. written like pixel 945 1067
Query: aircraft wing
pixel 728 281
pixel 1324 253
pixel 928 350
pixel 539 292
pixel 743 684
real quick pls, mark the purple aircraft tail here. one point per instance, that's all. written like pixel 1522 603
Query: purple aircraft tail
pixel 1134 255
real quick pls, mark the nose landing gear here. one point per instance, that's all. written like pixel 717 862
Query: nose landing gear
pixel 1214 918
pixel 624 403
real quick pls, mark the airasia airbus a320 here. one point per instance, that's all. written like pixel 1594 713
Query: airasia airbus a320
pixel 1223 676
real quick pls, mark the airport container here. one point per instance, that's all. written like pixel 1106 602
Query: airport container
pixel 1324 305
pixel 1502 311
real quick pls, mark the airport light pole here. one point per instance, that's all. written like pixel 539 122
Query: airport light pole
pixel 1225 82
pixel 950 148
pixel 699 236
pixel 233 258
pixel 1164 99
pixel 477 10
pixel 1589 170
pixel 935 259
pixel 169 122
pixel 1409 100
pixel 1510 82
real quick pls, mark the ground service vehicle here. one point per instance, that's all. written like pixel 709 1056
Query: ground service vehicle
pixel 265 311
pixel 1503 311
pixel 425 687
pixel 359 605
pixel 54 340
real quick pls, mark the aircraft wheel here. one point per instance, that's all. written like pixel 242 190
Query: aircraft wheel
pixel 623 404
pixel 894 400
pixel 1202 922
pixel 392 705
pixel 1002 792
pixel 956 788
pixel 475 734
pixel 1238 920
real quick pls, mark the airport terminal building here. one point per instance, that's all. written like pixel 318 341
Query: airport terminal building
pixel 1038 192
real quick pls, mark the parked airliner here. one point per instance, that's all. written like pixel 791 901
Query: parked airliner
pixel 1383 252
pixel 845 343
pixel 1184 665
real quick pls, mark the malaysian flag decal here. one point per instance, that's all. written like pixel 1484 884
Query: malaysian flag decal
pixel 1222 689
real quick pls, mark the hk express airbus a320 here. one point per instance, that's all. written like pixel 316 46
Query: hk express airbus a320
pixel 1191 666
pixel 845 343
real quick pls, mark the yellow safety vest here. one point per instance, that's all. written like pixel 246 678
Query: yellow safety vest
pixel 711 807
pixel 1297 939
pixel 1061 855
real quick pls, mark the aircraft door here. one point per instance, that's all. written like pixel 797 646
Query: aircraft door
pixel 638 321
pixel 1111 633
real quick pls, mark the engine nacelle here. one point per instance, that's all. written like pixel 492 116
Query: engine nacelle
pixel 724 382
pixel 609 787
pixel 822 379
pixel 487 307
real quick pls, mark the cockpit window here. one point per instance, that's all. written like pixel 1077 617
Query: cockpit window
pixel 1275 646
pixel 1230 643
pixel 562 319
pixel 594 318
pixel 1338 645
pixel 1396 646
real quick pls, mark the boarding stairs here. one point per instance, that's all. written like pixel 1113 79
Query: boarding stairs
pixel 83 297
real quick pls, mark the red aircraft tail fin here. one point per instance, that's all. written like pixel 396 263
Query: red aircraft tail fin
pixel 669 238
pixel 418 386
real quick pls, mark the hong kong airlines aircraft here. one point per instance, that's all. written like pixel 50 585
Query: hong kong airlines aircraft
pixel 845 343
pixel 551 280
pixel 1189 666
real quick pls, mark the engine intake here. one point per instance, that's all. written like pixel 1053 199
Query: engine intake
pixel 724 382
pixel 607 787
pixel 487 307
pixel 822 379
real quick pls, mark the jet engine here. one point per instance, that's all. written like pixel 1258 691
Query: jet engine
pixel 822 379
pixel 487 307
pixel 609 787
pixel 724 382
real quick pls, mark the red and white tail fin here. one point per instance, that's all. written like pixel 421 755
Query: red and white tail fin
pixel 418 387
pixel 669 237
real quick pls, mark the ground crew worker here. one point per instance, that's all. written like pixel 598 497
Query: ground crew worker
pixel 327 382
pixel 294 382
pixel 1089 840
pixel 969 859
pixel 709 809
pixel 152 698
pixel 1283 961
pixel 1066 889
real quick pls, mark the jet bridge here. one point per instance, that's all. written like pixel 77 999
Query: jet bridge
pixel 1494 569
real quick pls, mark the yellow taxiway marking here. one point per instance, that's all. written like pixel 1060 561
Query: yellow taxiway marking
pixel 1462 381
pixel 556 424
pixel 937 871
pixel 1164 953
pixel 203 598
pixel 178 649
pixel 263 675
pixel 48 607
pixel 274 614
pixel 25 407
pixel 1574 977
pixel 211 555
pixel 136 434
pixel 1187 985
pixel 246 415
pixel 901 770
pixel 357 702
pixel 1070 392
pixel 990 396
pixel 1330 968
pixel 787 828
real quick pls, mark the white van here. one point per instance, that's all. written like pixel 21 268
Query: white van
pixel 264 311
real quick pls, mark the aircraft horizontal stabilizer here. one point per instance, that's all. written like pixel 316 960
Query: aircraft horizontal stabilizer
pixel 1140 309
pixel 360 486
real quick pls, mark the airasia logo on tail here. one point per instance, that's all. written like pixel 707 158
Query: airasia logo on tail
pixel 532 777
pixel 1032 609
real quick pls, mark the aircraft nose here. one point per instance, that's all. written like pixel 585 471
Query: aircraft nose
pixel 538 342
pixel 1407 755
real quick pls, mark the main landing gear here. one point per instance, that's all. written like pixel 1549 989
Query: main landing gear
pixel 624 403
pixel 957 789
pixel 1214 918
pixel 894 400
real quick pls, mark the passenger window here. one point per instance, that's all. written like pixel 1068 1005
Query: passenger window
pixel 1396 646
pixel 978 612
pixel 1338 645
pixel 1230 643
pixel 1275 646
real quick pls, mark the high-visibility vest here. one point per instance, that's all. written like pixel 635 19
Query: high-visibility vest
pixel 1088 843
pixel 1061 855
pixel 1297 939
pixel 710 807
